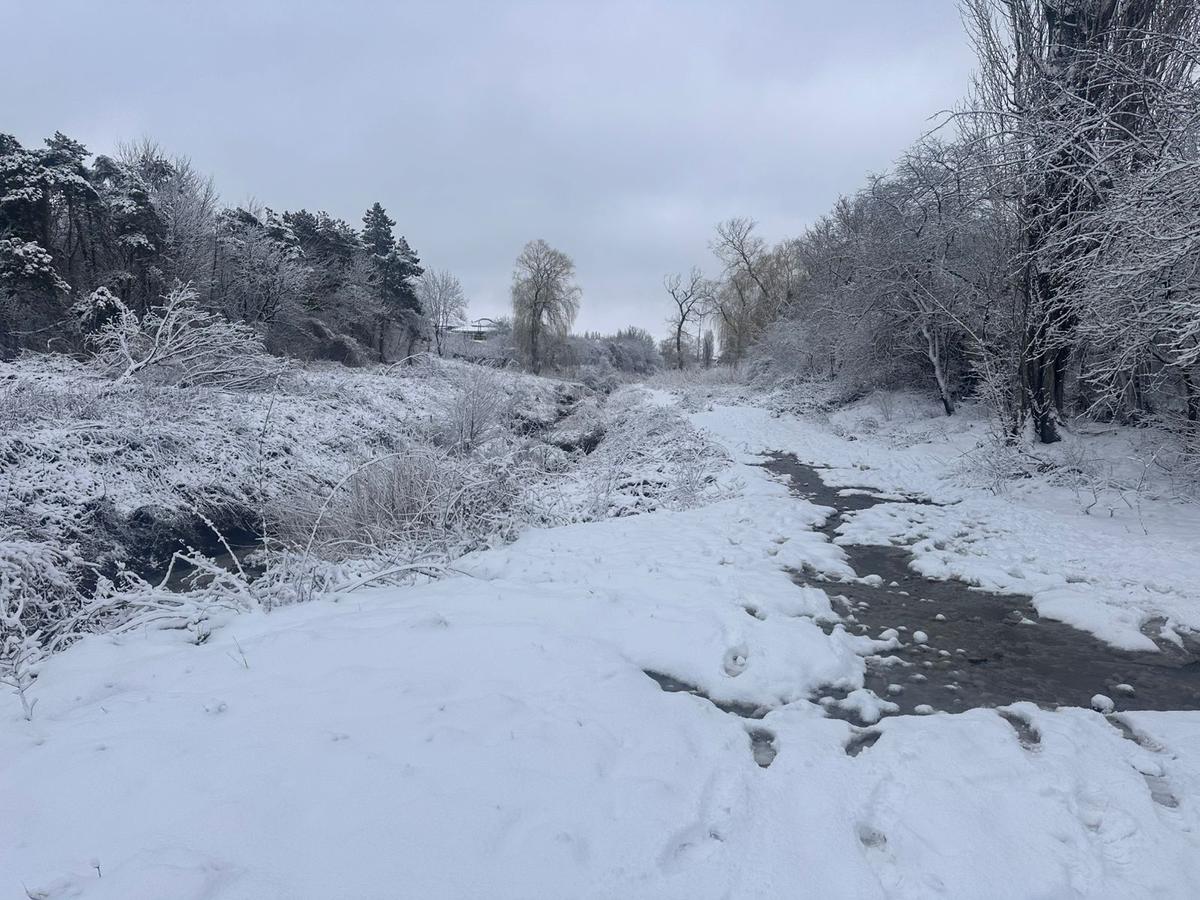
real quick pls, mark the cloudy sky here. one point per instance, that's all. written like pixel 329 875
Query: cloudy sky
pixel 619 132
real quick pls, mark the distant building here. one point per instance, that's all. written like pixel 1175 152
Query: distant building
pixel 479 330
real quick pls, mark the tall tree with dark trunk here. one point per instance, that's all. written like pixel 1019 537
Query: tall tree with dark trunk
pixel 1072 92
pixel 397 268
pixel 689 297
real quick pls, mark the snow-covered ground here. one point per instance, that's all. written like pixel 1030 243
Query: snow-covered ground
pixel 1112 553
pixel 494 734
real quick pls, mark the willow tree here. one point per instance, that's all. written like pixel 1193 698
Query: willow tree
pixel 545 300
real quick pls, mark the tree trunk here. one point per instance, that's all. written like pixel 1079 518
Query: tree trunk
pixel 934 351
pixel 1191 396
pixel 679 345
pixel 1044 361
pixel 410 349
pixel 1041 399
pixel 535 363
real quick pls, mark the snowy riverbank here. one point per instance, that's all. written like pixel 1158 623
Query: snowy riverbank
pixel 493 734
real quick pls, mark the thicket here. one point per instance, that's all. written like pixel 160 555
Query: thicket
pixel 85 240
pixel 1039 251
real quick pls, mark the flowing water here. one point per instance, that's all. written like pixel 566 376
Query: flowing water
pixel 982 648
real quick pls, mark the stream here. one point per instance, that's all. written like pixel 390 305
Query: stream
pixel 981 648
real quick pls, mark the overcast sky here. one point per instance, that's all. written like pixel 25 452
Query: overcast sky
pixel 619 132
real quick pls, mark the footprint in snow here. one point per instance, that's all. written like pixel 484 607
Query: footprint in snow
pixel 763 747
pixel 1149 766
pixel 871 837
pixel 736 659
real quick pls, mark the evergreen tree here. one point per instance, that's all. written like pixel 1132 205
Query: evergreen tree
pixel 396 264
pixel 377 234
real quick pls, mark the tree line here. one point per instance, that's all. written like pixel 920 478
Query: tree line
pixel 96 249
pixel 1040 250
pixel 82 238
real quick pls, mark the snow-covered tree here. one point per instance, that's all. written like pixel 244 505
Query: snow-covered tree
pixel 545 300
pixel 443 302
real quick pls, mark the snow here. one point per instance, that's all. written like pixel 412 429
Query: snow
pixel 1132 566
pixel 493 734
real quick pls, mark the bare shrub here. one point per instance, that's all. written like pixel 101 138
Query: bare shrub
pixel 180 343
pixel 425 501
pixel 38 594
pixel 214 594
pixel 995 462
pixel 651 459
pixel 476 410
pixel 19 656
pixel 885 402
pixel 996 387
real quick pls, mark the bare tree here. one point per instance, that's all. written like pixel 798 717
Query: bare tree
pixel 925 264
pixel 1071 96
pixel 758 287
pixel 187 204
pixel 741 250
pixel 545 300
pixel 442 299
pixel 689 297
pixel 259 274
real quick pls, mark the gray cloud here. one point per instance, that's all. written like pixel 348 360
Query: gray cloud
pixel 620 132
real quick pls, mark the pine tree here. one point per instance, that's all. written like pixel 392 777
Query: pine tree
pixel 377 231
pixel 396 269
pixel 396 264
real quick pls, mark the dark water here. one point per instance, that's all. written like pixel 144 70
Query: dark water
pixel 989 649
pixel 232 551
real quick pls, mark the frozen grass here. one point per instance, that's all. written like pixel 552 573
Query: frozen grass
pixel 346 476
pixel 494 734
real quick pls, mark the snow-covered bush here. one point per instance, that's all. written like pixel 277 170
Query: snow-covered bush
pixel 994 463
pixel 475 411
pixel 423 502
pixel 27 262
pixel 651 458
pixel 27 401
pixel 885 402
pixel 38 595
pixel 209 595
pixel 181 343
pixel 786 352
pixel 335 478
pixel 97 309
pixel 601 377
